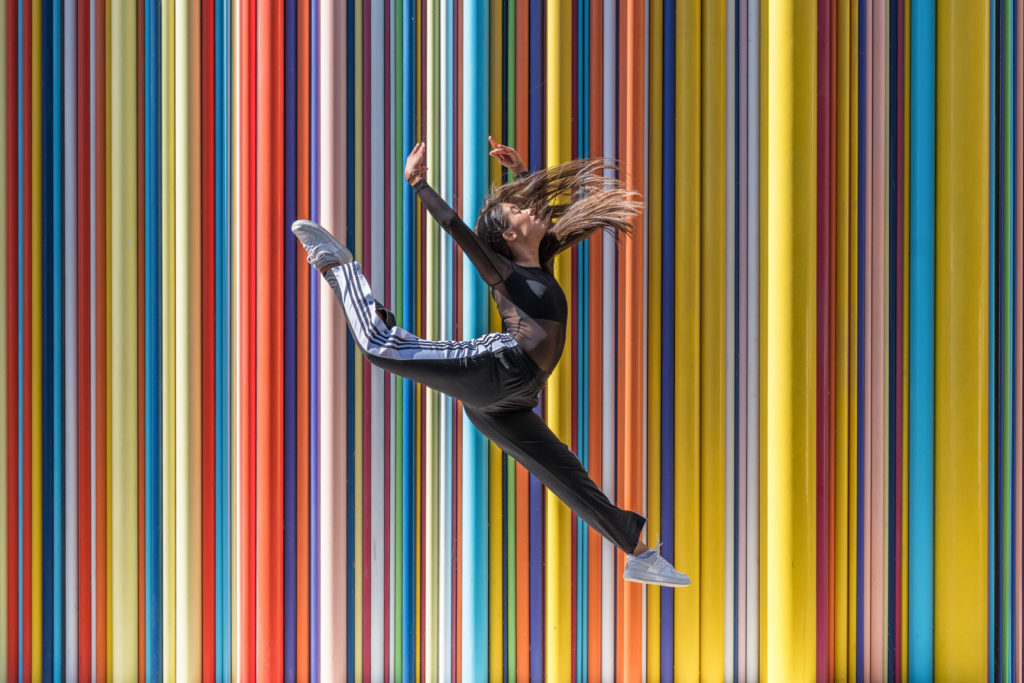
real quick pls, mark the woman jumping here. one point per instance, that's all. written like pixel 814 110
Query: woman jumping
pixel 498 377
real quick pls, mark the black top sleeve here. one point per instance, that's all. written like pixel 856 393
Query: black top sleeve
pixel 493 267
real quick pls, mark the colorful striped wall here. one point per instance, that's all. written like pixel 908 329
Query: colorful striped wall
pixel 805 369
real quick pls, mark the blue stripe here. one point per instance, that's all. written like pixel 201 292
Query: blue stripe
pixel 49 100
pixel 668 331
pixel 154 381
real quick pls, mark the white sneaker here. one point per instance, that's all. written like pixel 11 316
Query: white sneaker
pixel 323 250
pixel 652 568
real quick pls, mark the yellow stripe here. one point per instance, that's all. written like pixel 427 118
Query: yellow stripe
pixel 187 533
pixel 712 342
pixel 557 552
pixel 654 454
pixel 842 341
pixel 788 170
pixel 169 370
pixel 687 633
pixel 36 366
pixel 961 341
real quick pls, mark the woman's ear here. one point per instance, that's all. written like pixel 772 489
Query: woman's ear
pixel 509 235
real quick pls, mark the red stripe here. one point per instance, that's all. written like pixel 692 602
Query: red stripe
pixel 247 436
pixel 84 354
pixel 368 397
pixel 11 235
pixel 269 340
pixel 140 322
pixel 101 346
pixel 208 327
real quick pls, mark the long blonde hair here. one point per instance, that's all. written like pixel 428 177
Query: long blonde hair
pixel 575 198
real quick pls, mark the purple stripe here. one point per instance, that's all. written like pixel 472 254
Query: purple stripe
pixel 289 417
pixel 314 351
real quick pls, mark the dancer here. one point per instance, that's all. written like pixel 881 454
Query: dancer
pixel 499 376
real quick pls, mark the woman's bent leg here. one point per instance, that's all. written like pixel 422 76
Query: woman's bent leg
pixel 523 435
pixel 473 371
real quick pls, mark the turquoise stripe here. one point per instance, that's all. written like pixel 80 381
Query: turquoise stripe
pixel 223 276
pixel 921 399
pixel 475 463
pixel 153 609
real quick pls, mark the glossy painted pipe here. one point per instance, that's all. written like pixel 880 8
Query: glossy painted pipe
pixel 845 231
pixel 712 339
pixel 302 346
pixel 657 354
pixel 961 336
pixel 124 534
pixel 334 493
pixel 69 528
pixel 7 200
pixel 789 325
pixel 186 303
pixel 686 350
pixel 922 339
pixel 474 447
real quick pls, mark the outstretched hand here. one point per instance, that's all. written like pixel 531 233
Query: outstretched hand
pixel 507 157
pixel 416 163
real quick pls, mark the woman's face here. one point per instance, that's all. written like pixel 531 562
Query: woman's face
pixel 524 223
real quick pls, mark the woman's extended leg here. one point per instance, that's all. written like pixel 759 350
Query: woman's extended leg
pixel 524 435
pixel 474 371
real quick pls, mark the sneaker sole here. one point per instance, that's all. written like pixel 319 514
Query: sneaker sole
pixel 657 583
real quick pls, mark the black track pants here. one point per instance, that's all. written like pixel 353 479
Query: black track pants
pixel 499 385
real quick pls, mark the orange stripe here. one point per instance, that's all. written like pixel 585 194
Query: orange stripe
pixel 631 413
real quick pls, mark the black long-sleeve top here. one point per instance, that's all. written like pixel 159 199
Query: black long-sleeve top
pixel 530 301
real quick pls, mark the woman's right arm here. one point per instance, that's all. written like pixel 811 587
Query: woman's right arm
pixel 492 267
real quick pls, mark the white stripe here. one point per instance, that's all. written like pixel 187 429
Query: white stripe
pixel 730 341
pixel 376 399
